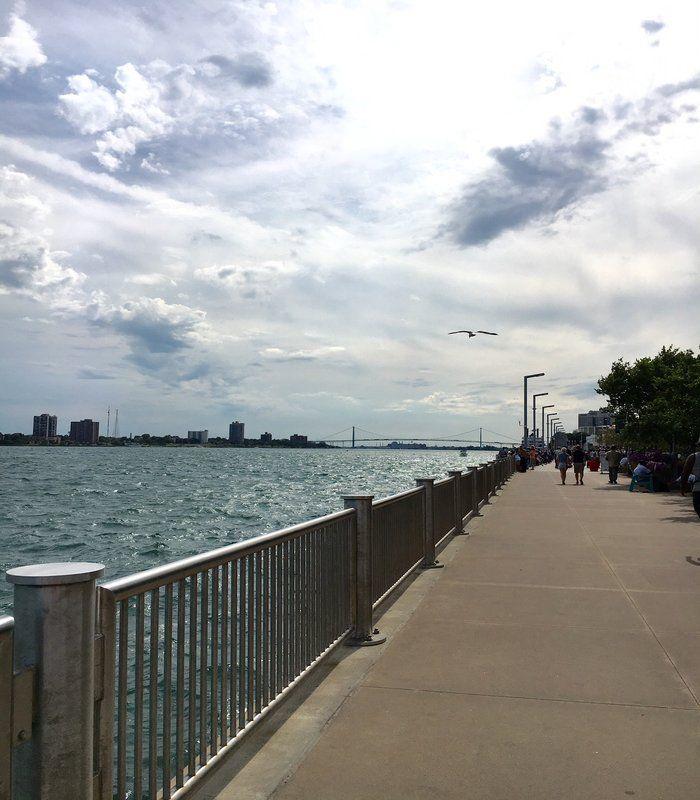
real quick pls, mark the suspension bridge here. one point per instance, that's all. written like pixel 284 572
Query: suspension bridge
pixel 354 436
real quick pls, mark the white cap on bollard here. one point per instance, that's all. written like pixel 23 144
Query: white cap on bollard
pixel 55 574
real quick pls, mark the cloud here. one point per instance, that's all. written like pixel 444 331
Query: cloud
pixel 151 324
pixel 90 374
pixel 147 104
pixel 20 50
pixel 446 403
pixel 249 69
pixel 313 354
pixel 536 182
pixel 251 281
pixel 529 183
pixel 28 265
pixel 652 26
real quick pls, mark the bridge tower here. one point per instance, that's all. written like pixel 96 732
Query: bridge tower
pixel 353 435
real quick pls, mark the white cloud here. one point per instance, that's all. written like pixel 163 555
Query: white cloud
pixel 20 50
pixel 28 265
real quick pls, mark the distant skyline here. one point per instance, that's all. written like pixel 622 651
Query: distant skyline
pixel 276 211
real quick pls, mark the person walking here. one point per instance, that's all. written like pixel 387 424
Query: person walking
pixel 613 457
pixel 533 457
pixel 578 459
pixel 563 463
pixel 692 467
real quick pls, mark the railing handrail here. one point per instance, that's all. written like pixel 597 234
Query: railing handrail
pixel 443 481
pixel 395 498
pixel 6 623
pixel 139 582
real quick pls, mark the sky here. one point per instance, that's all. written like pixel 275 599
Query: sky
pixel 275 211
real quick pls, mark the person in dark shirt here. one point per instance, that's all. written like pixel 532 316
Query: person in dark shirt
pixel 578 459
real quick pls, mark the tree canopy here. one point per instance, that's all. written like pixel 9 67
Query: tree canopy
pixel 656 400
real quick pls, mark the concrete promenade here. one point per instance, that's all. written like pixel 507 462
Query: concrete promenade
pixel 556 656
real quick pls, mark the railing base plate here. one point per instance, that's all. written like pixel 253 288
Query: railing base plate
pixel 371 641
pixel 433 565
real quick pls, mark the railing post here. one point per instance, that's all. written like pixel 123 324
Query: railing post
pixel 6 673
pixel 456 475
pixel 363 634
pixel 54 608
pixel 484 481
pixel 474 478
pixel 429 560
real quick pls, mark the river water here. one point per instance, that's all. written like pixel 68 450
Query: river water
pixel 136 507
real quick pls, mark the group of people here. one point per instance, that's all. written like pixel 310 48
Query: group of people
pixel 654 470
pixel 575 458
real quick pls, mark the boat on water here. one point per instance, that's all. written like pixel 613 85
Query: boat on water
pixel 463 453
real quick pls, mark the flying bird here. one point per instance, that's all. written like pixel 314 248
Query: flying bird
pixel 472 334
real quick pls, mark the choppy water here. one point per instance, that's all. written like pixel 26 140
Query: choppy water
pixel 134 508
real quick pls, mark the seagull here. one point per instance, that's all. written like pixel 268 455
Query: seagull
pixel 472 334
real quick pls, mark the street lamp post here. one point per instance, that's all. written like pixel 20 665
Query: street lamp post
pixel 549 405
pixel 525 380
pixel 549 422
pixel 534 411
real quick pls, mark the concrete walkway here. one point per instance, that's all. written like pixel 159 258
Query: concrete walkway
pixel 556 656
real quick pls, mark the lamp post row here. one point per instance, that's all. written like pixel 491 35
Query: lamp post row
pixel 553 423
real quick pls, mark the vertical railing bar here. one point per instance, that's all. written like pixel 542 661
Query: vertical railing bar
pixel 223 727
pixel 266 627
pixel 203 664
pixel 138 698
pixel 180 687
pixel 167 689
pixel 122 698
pixel 153 695
pixel 258 633
pixel 279 676
pixel 192 678
pixel 286 576
pixel 250 647
pixel 214 698
pixel 233 678
pixel 274 651
pixel 242 655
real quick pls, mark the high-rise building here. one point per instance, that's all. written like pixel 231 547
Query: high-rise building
pixel 235 432
pixel 45 426
pixel 594 421
pixel 266 438
pixel 298 438
pixel 85 431
pixel 198 437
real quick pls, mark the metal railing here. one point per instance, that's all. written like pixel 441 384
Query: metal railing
pixel 170 667
pixel 397 539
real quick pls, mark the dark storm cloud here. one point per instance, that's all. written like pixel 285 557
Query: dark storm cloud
pixel 530 183
pixel 652 25
pixel 248 69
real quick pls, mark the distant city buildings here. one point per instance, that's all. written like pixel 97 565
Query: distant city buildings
pixel 236 432
pixel 266 438
pixel 84 431
pixel 298 438
pixel 45 426
pixel 198 437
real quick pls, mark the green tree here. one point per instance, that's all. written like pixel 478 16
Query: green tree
pixel 655 400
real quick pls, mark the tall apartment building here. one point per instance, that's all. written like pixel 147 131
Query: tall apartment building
pixel 45 426
pixel 198 437
pixel 298 438
pixel 594 421
pixel 266 438
pixel 85 431
pixel 236 432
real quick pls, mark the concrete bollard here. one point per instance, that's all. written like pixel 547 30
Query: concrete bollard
pixel 54 609
pixel 456 475
pixel 363 634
